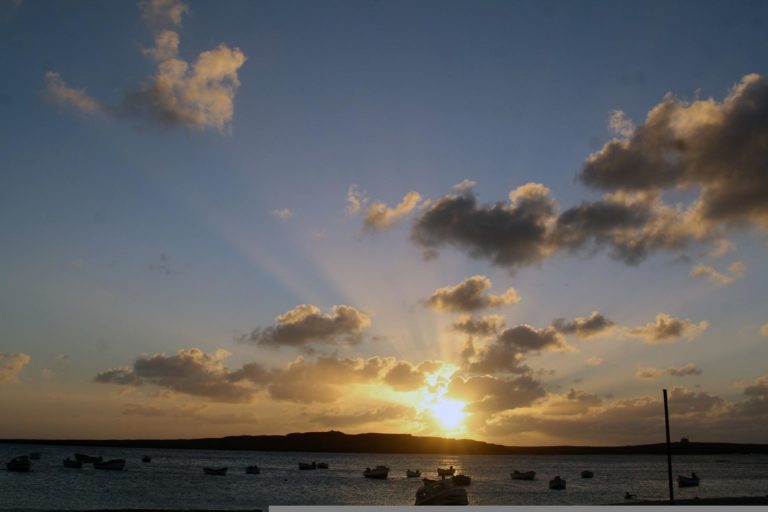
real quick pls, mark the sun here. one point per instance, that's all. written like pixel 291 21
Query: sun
pixel 449 413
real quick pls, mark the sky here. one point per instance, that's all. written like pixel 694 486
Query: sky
pixel 512 221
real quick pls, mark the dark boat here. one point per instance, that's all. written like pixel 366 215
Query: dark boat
pixel 377 473
pixel 461 479
pixel 446 471
pixel 252 470
pixel 21 464
pixel 215 471
pixel 87 459
pixel 34 455
pixel 70 463
pixel 412 474
pixel 523 475
pixel 688 481
pixel 113 465
pixel 557 484
pixel 587 474
pixel 305 466
pixel 322 465
pixel 441 492
pixel 146 459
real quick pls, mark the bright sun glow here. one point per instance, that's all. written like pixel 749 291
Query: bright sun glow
pixel 448 412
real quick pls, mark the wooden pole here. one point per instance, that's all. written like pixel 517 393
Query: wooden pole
pixel 669 451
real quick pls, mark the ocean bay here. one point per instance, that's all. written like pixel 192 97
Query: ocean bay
pixel 175 480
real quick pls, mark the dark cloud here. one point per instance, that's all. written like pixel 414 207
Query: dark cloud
pixel 120 376
pixel 306 325
pixel 404 377
pixel 576 401
pixel 469 295
pixel 487 394
pixel 584 328
pixel 506 353
pixel 484 326
pixel 510 235
pixel 718 147
pixel 668 329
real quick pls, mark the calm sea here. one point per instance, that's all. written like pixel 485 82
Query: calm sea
pixel 175 479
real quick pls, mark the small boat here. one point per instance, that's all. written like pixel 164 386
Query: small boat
pixel 557 484
pixel 303 465
pixel 412 474
pixel 587 474
pixel 441 492
pixel 446 471
pixel 688 481
pixel 34 455
pixel 21 464
pixel 252 470
pixel 87 459
pixel 461 479
pixel 215 471
pixel 114 464
pixel 71 463
pixel 523 475
pixel 377 473
pixel 629 496
pixel 322 465
pixel 146 459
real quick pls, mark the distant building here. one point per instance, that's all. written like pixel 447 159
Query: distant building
pixel 684 440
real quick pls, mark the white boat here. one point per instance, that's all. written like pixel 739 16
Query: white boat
pixel 688 481
pixel 215 471
pixel 70 463
pixel 523 475
pixel 412 474
pixel 441 492
pixel 20 464
pixel 114 464
pixel 252 470
pixel 446 471
pixel 557 484
pixel 377 473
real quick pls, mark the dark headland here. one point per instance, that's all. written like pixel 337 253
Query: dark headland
pixel 334 441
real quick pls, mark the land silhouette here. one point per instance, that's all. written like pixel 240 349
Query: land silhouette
pixel 334 441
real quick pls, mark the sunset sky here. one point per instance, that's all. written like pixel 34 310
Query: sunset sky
pixel 508 221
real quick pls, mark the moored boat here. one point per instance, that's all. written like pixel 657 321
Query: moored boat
pixel 461 479
pixel 114 464
pixel 587 474
pixel 412 474
pixel 557 484
pixel 87 459
pixel 21 464
pixel 688 481
pixel 377 473
pixel 441 492
pixel 523 475
pixel 253 470
pixel 34 455
pixel 72 463
pixel 215 471
pixel 446 471
pixel 146 458
pixel 322 465
pixel 304 466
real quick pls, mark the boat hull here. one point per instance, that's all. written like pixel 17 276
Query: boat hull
pixel 523 475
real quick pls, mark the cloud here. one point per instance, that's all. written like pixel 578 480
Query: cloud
pixel 379 216
pixel 404 377
pixel 620 124
pixel 282 213
pixel 121 376
pixel 306 325
pixel 377 416
pixel 11 365
pixel 198 94
pixel 63 95
pixel 510 235
pixel 465 185
pixel 655 373
pixel 668 329
pixel 737 270
pixel 595 361
pixel 484 326
pixel 506 353
pixel 764 330
pixel 576 401
pixel 356 200
pixel 468 296
pixel 584 328
pixel 718 147
pixel 487 394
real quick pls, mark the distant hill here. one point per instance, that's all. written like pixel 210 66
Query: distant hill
pixel 334 441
